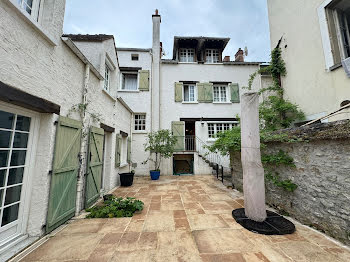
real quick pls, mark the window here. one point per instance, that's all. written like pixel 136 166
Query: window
pixel 212 56
pixel 31 7
pixel 134 57
pixel 107 78
pixel 140 122
pixel 215 128
pixel 338 18
pixel 124 150
pixel 220 93
pixel 129 81
pixel 186 55
pixel 14 137
pixel 189 93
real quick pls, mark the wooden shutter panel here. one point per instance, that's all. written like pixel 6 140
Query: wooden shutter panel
pixel 208 92
pixel 178 130
pixel 118 145
pixel 144 80
pixel 333 35
pixel 129 150
pixel 234 89
pixel 201 92
pixel 178 92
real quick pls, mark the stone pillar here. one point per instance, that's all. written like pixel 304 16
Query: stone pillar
pixel 155 121
pixel 253 172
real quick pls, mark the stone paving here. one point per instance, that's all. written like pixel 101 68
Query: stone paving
pixel 184 219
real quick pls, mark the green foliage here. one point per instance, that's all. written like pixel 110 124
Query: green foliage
pixel 160 143
pixel 227 141
pixel 281 158
pixel 116 207
pixel 276 180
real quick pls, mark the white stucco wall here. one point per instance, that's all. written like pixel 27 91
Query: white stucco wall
pixel 308 83
pixel 139 102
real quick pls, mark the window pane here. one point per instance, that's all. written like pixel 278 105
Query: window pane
pixel 1 194
pixel 23 123
pixel 6 120
pixel 130 82
pixel 10 214
pixel 216 94
pixel 3 157
pixel 218 128
pixel 18 157
pixel 2 178
pixel 223 94
pixel 20 140
pixel 13 194
pixel 186 94
pixel 5 139
pixel 15 176
pixel 191 93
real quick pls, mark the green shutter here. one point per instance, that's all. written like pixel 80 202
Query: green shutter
pixel 63 185
pixel 234 89
pixel 178 92
pixel 144 80
pixel 118 147
pixel 129 150
pixel 201 92
pixel 178 130
pixel 94 166
pixel 208 87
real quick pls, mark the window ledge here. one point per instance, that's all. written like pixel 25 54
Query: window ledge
pixel 28 19
pixel 214 63
pixel 194 102
pixel 139 132
pixel 336 66
pixel 109 95
pixel 193 63
pixel 129 91
pixel 224 103
pixel 123 165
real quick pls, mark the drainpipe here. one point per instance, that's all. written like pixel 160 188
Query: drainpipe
pixel 83 147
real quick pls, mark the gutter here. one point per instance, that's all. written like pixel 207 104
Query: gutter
pixel 125 104
pixel 81 56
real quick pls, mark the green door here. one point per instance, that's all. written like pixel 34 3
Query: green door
pixel 94 166
pixel 63 188
pixel 178 130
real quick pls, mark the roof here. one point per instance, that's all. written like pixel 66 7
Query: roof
pixel 134 49
pixel 92 38
pixel 171 61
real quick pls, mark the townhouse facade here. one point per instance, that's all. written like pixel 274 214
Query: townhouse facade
pixel 316 52
pixel 64 133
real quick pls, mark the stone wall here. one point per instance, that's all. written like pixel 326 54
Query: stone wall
pixel 322 173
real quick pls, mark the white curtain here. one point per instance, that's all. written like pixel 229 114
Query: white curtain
pixel 253 172
pixel 130 82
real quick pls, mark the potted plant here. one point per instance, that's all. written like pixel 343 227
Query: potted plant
pixel 161 145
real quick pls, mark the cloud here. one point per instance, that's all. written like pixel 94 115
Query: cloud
pixel 244 21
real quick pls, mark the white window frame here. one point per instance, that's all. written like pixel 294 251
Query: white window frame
pixel 210 56
pixel 122 81
pixel 139 124
pixel 220 88
pixel 23 213
pixel 194 87
pixel 326 36
pixel 107 80
pixel 187 55
pixel 219 127
pixel 35 13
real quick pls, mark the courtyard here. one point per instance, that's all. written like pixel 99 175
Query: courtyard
pixel 185 218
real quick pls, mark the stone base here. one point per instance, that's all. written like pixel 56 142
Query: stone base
pixel 274 224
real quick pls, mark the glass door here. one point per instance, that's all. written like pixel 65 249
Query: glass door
pixel 14 137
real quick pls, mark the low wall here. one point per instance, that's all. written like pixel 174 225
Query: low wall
pixel 322 174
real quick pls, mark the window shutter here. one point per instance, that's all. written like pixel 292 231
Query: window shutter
pixel 234 90
pixel 201 92
pixel 330 16
pixel 129 151
pixel 178 92
pixel 144 80
pixel 178 130
pixel 118 145
pixel 208 92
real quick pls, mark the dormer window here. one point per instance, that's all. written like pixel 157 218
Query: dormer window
pixel 212 56
pixel 187 55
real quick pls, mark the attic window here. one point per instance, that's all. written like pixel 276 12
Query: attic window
pixel 135 57
pixel 186 55
pixel 338 17
pixel 212 56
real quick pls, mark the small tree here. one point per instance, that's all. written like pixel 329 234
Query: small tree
pixel 160 144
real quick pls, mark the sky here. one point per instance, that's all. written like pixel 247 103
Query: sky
pixel 130 21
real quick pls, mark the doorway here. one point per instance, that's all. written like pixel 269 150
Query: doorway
pixel 183 164
pixel 190 136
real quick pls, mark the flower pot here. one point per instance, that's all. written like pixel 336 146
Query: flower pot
pixel 126 179
pixel 155 174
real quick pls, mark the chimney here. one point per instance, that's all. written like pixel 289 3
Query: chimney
pixel 227 58
pixel 239 56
